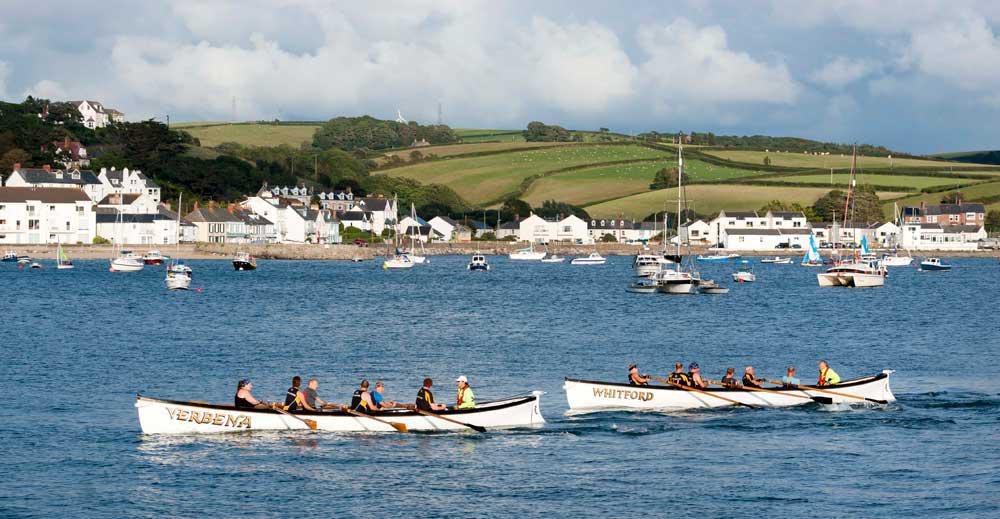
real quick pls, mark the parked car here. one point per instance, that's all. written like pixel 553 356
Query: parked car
pixel 796 246
pixel 783 245
pixel 361 243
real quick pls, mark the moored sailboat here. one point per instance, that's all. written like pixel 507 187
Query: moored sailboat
pixel 678 280
pixel 62 259
pixel 178 274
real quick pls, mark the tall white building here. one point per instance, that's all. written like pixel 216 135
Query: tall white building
pixel 36 215
pixel 45 176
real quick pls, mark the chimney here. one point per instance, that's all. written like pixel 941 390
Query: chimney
pixel 17 166
pixel 195 206
pixel 47 168
pixel 231 208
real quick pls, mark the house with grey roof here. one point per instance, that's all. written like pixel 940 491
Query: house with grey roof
pixel 218 225
pixel 46 176
pixel 128 181
pixel 36 215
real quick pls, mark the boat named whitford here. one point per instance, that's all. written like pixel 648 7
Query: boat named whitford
pixel 622 394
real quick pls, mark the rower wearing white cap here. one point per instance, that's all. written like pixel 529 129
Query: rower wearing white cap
pixel 465 399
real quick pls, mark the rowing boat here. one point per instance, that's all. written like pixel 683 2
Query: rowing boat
pixel 159 416
pixel 586 395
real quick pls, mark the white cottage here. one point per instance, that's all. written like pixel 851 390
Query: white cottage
pixel 46 215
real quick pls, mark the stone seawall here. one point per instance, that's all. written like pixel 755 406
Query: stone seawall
pixel 347 252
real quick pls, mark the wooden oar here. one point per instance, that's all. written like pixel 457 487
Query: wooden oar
pixel 695 390
pixel 476 428
pixel 805 388
pixel 310 423
pixel 401 427
pixel 817 399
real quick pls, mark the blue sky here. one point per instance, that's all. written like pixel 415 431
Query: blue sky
pixel 916 76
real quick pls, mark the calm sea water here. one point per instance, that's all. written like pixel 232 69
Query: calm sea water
pixel 78 345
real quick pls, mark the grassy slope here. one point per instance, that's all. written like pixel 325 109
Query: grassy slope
pixel 254 134
pixel 706 199
pixel 481 179
pixel 827 161
pixel 450 150
pixel 840 180
pixel 602 183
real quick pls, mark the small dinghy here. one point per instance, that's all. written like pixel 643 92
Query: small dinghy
pixel 718 257
pixel 589 396
pixel 553 259
pixel 158 416
pixel 645 286
pixel 36 265
pixel 777 260
pixel 709 286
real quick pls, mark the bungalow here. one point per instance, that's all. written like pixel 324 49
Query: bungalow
pixel 46 215
pixel 934 236
pixel 48 177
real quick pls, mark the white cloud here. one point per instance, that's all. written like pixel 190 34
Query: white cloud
pixel 964 52
pixel 4 74
pixel 49 89
pixel 842 71
pixel 690 64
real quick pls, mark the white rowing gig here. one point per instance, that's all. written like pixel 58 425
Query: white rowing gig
pixel 158 416
pixel 585 395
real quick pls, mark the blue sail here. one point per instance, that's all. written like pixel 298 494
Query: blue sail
pixel 864 245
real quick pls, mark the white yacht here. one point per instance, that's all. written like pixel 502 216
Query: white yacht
pixel 646 265
pixel 854 273
pixel 676 281
pixel 399 261
pixel 527 254
pixel 127 261
pixel 591 259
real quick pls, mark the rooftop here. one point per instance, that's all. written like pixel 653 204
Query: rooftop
pixel 48 195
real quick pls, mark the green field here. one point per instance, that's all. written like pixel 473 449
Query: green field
pixel 482 179
pixel 451 150
pixel 471 135
pixel 253 134
pixel 593 184
pixel 828 161
pixel 840 180
pixel 703 171
pixel 708 199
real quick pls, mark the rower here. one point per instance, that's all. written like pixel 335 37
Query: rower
pixel 465 399
pixel 244 398
pixel 361 401
pixel 634 378
pixel 378 401
pixel 827 376
pixel 308 398
pixel 730 379
pixel 749 380
pixel 790 380
pixel 292 395
pixel 678 376
pixel 425 399
pixel 694 373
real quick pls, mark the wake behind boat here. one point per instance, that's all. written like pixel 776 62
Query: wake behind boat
pixel 588 395
pixel 159 416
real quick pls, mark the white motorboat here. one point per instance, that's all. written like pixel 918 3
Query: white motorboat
pixel 178 277
pixel 744 274
pixel 591 259
pixel 244 261
pixel 153 257
pixel 676 281
pixel 127 261
pixel 777 260
pixel 10 256
pixel 895 260
pixel 553 259
pixel 590 396
pixel 399 261
pixel 478 263
pixel 527 254
pixel 35 265
pixel 646 265
pixel 718 257
pixel 709 286
pixel 159 416
pixel 23 260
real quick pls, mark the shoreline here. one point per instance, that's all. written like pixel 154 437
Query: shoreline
pixel 345 252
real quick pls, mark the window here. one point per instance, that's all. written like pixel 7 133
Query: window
pixel 67 226
pixel 31 209
pixel 567 228
pixel 931 219
pixel 79 209
pixel 2 207
pixel 52 208
pixel 33 224
pixel 18 225
pixel 796 224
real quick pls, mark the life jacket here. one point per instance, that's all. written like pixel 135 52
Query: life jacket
pixel 822 377
pixel 460 397
pixel 424 399
pixel 292 399
pixel 357 403
pixel 680 378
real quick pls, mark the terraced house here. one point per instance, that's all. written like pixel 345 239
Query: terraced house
pixel 36 215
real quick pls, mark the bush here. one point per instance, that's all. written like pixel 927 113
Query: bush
pixel 609 238
pixel 100 240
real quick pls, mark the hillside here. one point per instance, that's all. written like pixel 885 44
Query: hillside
pixel 979 157
pixel 250 134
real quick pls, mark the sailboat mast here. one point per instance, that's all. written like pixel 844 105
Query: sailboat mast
pixel 680 181
pixel 177 231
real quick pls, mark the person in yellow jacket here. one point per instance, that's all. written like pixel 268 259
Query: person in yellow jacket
pixel 465 399
pixel 827 376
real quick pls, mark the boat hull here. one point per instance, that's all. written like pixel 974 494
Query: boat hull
pixel 477 267
pixel 744 277
pixel 897 261
pixel 157 416
pixel 585 261
pixel 126 265
pixel 850 279
pixel 934 268
pixel 149 261
pixel 590 396
pixel 526 256
pixel 244 265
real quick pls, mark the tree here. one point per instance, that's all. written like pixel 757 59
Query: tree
pixel 993 221
pixel 540 132
pixel 954 197
pixel 14 156
pixel 609 238
pixel 767 160
pixel 351 133
pixel 867 207
pixel 513 208
pixel 553 209
pixel 666 177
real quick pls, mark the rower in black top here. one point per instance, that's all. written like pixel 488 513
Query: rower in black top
pixel 634 378
pixel 244 398
pixel 679 376
pixel 361 401
pixel 292 396
pixel 425 399
pixel 730 379
pixel 750 380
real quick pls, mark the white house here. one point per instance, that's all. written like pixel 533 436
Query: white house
pixel 96 115
pixel 509 229
pixel 381 212
pixel 158 228
pixel 733 220
pixel 618 228
pixel 935 236
pixel 786 220
pixel 131 203
pixel 48 177
pixel 46 215
pixel 259 229
pixel 128 182
pixel 697 232
pixel 766 239
pixel 444 226
pixel 540 230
